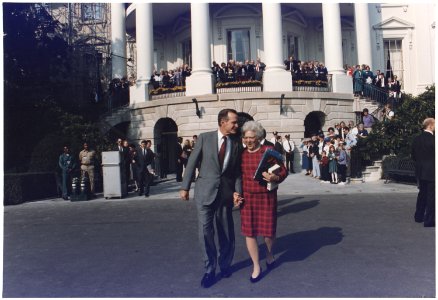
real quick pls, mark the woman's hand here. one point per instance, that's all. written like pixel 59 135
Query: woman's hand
pixel 270 177
pixel 237 199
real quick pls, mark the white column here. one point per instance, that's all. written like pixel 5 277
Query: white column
pixel 275 77
pixel 363 34
pixel 333 48
pixel 118 40
pixel 145 51
pixel 201 81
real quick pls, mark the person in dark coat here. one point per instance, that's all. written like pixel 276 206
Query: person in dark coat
pixel 423 153
pixel 179 160
pixel 143 159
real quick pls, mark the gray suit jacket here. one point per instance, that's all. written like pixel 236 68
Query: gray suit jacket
pixel 212 181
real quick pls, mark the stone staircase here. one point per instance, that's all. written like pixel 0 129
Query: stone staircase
pixel 363 102
pixel 370 173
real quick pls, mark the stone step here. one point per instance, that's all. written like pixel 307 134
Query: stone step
pixel 377 163
pixel 356 180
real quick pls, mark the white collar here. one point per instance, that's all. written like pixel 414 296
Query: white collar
pixel 429 131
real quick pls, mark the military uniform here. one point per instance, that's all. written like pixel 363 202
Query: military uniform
pixel 87 159
pixel 67 164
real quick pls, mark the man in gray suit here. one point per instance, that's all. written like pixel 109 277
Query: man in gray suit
pixel 219 177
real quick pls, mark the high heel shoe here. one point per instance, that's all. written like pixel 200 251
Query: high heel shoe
pixel 254 280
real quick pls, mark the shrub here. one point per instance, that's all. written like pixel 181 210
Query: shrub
pixel 21 187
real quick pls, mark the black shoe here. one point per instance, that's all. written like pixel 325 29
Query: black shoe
pixel 257 279
pixel 418 220
pixel 140 194
pixel 146 195
pixel 271 265
pixel 208 280
pixel 431 224
pixel 226 273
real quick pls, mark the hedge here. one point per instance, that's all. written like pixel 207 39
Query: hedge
pixel 22 187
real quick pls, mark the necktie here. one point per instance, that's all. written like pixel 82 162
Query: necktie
pixel 290 147
pixel 221 153
pixel 144 152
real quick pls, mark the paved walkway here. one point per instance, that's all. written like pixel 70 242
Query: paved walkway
pixel 357 240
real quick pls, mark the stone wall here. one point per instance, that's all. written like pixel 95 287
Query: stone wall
pixel 263 107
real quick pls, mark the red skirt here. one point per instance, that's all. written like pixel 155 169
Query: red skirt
pixel 258 214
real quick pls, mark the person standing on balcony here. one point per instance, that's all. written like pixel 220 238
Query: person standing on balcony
pixel 368 77
pixel 259 69
pixel 423 154
pixel 322 72
pixel 357 81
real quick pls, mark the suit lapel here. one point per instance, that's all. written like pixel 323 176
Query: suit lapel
pixel 214 149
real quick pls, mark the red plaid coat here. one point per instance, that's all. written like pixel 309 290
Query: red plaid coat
pixel 259 210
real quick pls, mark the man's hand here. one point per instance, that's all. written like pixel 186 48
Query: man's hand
pixel 184 195
pixel 237 199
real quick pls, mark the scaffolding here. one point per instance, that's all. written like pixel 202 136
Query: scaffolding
pixel 87 26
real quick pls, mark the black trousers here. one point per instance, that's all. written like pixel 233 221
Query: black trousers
pixel 425 209
pixel 290 162
pixel 342 170
pixel 144 182
pixel 179 170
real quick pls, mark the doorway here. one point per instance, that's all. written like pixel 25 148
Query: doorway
pixel 313 123
pixel 165 140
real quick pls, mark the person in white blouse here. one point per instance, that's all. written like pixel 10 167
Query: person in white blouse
pixel 289 148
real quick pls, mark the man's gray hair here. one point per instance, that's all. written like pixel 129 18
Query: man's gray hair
pixel 255 127
pixel 427 122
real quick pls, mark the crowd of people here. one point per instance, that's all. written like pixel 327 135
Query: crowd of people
pixel 328 157
pixel 137 167
pixel 364 79
pixel 233 71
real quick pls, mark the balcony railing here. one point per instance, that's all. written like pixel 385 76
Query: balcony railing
pixel 310 84
pixel 373 92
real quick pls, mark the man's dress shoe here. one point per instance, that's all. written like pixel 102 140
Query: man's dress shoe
pixel 208 280
pixel 226 273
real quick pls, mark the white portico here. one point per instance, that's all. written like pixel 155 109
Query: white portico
pixel 167 36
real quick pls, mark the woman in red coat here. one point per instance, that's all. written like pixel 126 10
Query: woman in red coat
pixel 258 206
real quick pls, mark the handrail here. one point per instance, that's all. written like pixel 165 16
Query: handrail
pixel 371 91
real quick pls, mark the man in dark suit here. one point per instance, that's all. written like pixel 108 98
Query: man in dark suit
pixel 264 141
pixel 143 158
pixel 219 177
pixel 423 153
pixel 179 162
pixel 122 147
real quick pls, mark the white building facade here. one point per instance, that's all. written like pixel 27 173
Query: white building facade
pixel 166 36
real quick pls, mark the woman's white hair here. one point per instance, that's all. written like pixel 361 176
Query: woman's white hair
pixel 255 127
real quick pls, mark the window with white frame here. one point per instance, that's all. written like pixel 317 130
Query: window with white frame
pixel 293 46
pixel 187 52
pixel 238 44
pixel 393 58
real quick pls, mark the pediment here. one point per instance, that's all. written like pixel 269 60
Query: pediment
pixel 181 24
pixel 237 11
pixel 295 17
pixel 393 23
